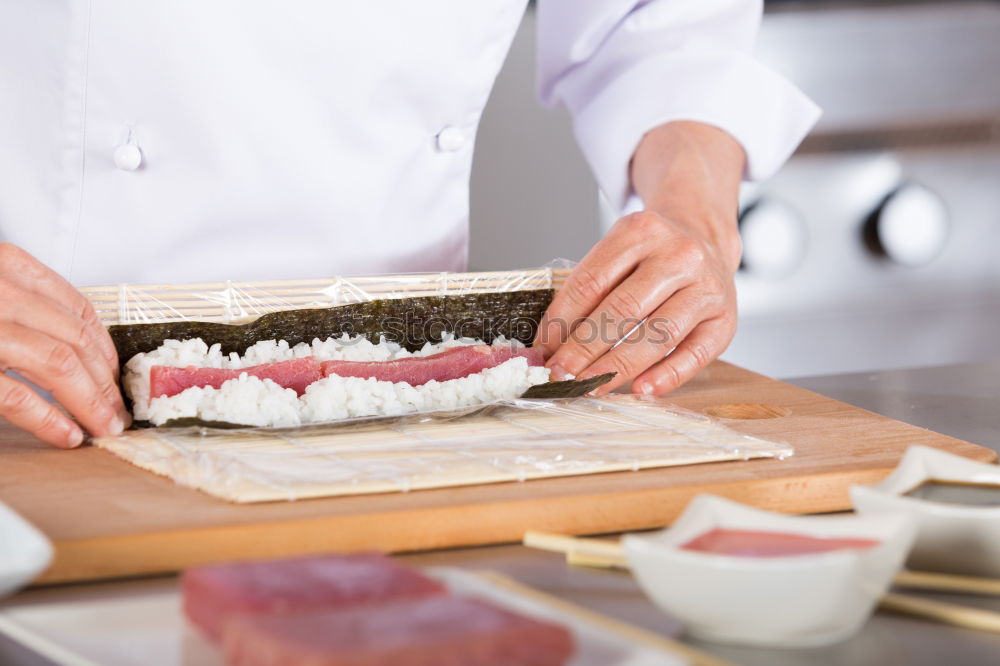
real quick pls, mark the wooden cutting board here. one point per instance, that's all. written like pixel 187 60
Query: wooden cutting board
pixel 109 519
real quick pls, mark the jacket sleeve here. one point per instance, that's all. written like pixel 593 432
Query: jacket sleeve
pixel 623 67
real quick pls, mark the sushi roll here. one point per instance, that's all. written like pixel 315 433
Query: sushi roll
pixel 274 384
pixel 379 358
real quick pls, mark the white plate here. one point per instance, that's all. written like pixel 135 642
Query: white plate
pixel 24 551
pixel 799 600
pixel 950 537
pixel 141 623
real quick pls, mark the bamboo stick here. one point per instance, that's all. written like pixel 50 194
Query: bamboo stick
pixel 940 582
pixel 42 645
pixel 939 611
pixel 599 549
pixel 631 632
pixel 575 559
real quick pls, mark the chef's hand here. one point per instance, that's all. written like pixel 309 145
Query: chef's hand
pixel 671 265
pixel 51 336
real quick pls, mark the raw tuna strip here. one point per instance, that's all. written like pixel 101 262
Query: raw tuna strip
pixel 295 374
pixel 213 594
pixel 453 363
pixel 534 355
pixel 435 631
pixel 751 543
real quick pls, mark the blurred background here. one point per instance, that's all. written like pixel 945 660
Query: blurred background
pixel 877 246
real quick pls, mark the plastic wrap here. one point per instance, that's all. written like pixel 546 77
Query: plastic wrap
pixel 514 440
pixel 508 440
pixel 237 302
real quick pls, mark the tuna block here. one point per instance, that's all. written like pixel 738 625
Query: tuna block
pixel 295 374
pixel 453 363
pixel 434 631
pixel 212 594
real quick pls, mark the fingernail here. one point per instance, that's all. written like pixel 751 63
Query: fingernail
pixel 557 372
pixel 645 388
pixel 74 437
pixel 125 418
pixel 116 427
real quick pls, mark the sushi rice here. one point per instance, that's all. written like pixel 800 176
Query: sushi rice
pixel 259 402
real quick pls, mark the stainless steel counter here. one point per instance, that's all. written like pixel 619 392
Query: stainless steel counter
pixel 958 400
pixel 962 401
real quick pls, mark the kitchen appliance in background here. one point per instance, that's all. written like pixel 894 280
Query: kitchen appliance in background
pixel 877 246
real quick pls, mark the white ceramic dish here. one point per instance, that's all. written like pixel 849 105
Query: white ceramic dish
pixel 140 622
pixel 24 551
pixel 950 537
pixel 799 600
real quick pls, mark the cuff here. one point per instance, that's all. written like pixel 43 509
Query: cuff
pixel 765 113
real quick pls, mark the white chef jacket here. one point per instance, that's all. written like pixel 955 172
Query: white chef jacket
pixel 317 138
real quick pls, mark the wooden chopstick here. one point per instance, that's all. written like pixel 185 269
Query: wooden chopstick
pixel 47 648
pixel 941 582
pixel 607 554
pixel 693 655
pixel 575 559
pixel 599 549
pixel 939 611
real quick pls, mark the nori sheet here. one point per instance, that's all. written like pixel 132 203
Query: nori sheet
pixel 570 388
pixel 410 322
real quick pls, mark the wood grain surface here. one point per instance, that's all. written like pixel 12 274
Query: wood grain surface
pixel 109 519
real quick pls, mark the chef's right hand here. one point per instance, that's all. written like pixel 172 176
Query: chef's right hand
pixel 51 336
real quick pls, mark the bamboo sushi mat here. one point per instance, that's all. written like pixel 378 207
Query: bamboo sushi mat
pixel 237 302
pixel 515 440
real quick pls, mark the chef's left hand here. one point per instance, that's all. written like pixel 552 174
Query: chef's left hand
pixel 671 264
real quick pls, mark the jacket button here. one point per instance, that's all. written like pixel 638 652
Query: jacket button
pixel 128 157
pixel 450 139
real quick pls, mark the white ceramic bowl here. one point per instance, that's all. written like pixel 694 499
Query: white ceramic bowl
pixel 950 537
pixel 24 551
pixel 799 600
